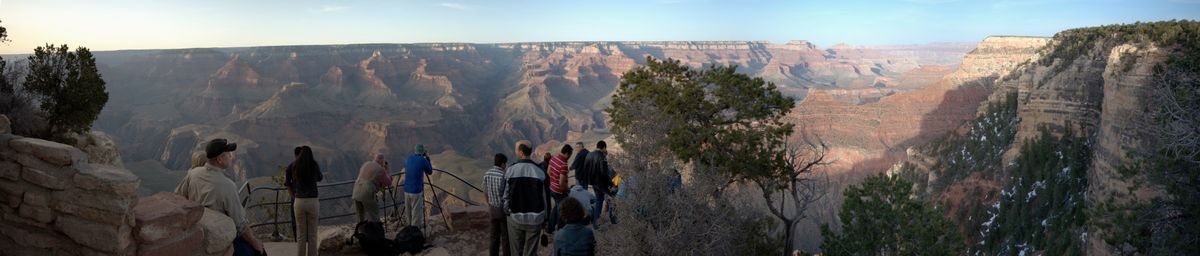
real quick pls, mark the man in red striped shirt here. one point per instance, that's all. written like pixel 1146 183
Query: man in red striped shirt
pixel 558 184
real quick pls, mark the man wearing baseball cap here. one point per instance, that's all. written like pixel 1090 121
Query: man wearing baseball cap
pixel 209 186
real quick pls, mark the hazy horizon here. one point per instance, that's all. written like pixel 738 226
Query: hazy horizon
pixel 133 25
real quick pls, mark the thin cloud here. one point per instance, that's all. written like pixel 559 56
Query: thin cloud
pixel 457 6
pixel 331 8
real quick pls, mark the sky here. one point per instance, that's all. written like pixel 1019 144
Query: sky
pixel 163 24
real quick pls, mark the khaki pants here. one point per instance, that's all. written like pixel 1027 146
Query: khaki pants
pixel 366 211
pixel 416 209
pixel 306 225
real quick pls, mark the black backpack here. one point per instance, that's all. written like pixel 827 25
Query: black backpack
pixel 410 240
pixel 372 240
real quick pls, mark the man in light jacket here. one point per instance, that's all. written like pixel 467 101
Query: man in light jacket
pixel 372 176
pixel 526 199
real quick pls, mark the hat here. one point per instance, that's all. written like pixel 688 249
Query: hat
pixel 217 146
pixel 420 148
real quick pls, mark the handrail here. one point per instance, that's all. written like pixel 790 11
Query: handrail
pixel 392 191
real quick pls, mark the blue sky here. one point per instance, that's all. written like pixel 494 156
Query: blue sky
pixel 126 24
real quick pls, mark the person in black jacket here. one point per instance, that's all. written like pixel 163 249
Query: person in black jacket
pixel 302 177
pixel 577 164
pixel 596 173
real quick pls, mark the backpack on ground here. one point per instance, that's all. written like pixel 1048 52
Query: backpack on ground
pixel 373 240
pixel 410 240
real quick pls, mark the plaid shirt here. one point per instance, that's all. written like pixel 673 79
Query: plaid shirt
pixel 493 185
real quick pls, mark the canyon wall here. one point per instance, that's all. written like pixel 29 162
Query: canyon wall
pixel 1093 84
pixel 347 101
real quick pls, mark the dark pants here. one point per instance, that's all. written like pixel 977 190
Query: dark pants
pixel 555 203
pixel 499 233
pixel 596 209
pixel 242 248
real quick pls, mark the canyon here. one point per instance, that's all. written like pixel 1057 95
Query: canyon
pixel 473 100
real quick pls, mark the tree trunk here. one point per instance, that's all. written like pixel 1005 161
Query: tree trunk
pixel 788 247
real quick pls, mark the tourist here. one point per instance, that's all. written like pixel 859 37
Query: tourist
pixel 526 200
pixel 302 178
pixel 372 176
pixel 596 173
pixel 493 183
pixel 210 186
pixel 415 168
pixel 558 184
pixel 576 238
pixel 577 164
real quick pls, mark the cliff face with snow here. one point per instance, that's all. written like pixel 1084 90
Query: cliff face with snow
pixel 1048 145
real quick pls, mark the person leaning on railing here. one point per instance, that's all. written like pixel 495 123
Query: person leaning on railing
pixel 371 177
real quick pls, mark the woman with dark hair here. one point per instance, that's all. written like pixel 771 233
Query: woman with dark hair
pixel 576 238
pixel 304 177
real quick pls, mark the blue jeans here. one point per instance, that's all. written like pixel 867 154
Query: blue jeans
pixel 242 248
pixel 555 203
pixel 596 208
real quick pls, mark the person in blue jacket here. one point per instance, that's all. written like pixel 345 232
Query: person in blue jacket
pixel 415 168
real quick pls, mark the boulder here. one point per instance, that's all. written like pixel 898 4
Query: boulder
pixel 34 197
pixel 106 178
pixel 52 152
pixel 164 215
pixel 34 238
pixel 38 213
pixel 99 147
pixel 219 231
pixel 91 214
pixel 99 201
pixel 45 179
pixel 10 170
pixel 334 239
pixel 95 235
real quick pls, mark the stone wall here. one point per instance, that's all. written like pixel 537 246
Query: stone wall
pixel 54 201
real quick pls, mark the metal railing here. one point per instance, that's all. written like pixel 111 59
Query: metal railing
pixel 390 199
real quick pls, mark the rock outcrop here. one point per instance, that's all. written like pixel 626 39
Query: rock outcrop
pixel 56 200
pixel 1092 83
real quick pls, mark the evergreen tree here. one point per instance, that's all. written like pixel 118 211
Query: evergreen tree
pixel 725 123
pixel 882 217
pixel 68 86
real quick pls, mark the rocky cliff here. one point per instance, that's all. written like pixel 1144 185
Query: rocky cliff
pixel 870 135
pixel 350 100
pixel 1087 91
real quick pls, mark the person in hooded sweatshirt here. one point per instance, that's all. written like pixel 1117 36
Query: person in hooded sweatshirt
pixel 576 238
pixel 526 200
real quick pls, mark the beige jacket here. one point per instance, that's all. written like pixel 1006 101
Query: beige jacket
pixel 209 186
pixel 371 177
